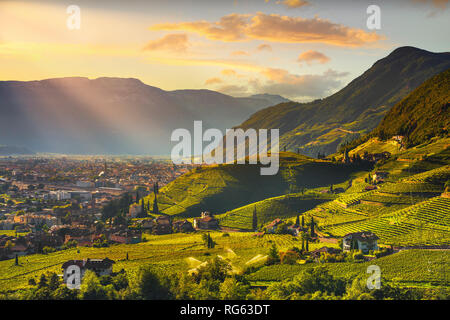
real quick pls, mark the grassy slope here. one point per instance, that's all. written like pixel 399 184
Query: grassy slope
pixel 285 206
pixel 410 267
pixel 174 252
pixel 405 210
pixel 222 188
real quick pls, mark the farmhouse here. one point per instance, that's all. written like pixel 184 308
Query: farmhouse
pixel 101 267
pixel 183 226
pixel 363 241
pixel 126 237
pixel 316 253
pixel 207 221
pixel 163 225
pixel 379 176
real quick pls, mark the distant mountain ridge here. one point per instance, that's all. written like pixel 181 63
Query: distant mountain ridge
pixel 111 115
pixel 14 150
pixel 322 125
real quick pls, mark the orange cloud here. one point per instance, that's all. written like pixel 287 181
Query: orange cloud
pixel 276 28
pixel 172 42
pixel 213 81
pixel 264 46
pixel 441 4
pixel 240 53
pixel 311 55
pixel 228 28
pixel 229 72
pixel 294 86
pixel 295 3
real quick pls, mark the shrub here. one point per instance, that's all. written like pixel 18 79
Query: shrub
pixel 47 250
pixel 289 257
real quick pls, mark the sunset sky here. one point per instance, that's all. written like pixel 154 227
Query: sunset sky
pixel 299 49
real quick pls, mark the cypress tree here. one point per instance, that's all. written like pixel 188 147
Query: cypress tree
pixel 255 220
pixel 155 206
pixel 312 227
pixel 17 260
pixel 297 221
pixel 303 221
pixel 307 244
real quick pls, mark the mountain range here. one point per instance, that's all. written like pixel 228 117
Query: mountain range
pixel 324 124
pixel 111 115
pixel 126 116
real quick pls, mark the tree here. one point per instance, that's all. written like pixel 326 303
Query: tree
pixel 303 221
pixel 17 260
pixel 289 257
pixel 312 227
pixel 273 256
pixel 215 270
pixel 54 282
pixel 208 241
pixel 155 206
pixel 150 286
pixel 297 221
pixel 231 289
pixel 91 288
pixel 42 281
pixel 255 220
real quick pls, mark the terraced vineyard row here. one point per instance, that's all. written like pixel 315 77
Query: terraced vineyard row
pixel 410 187
pixel 430 219
pixel 438 175
pixel 435 211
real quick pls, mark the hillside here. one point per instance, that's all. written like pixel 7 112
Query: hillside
pixel 423 114
pixel 321 125
pixel 111 115
pixel 225 187
pixel 12 150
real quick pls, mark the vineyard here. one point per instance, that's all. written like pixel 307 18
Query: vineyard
pixel 269 209
pixel 429 218
pixel 411 267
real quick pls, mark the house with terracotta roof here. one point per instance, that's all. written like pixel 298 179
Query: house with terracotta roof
pixel 206 221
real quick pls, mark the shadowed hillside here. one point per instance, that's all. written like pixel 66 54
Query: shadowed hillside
pixel 226 187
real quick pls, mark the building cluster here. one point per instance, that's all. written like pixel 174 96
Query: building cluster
pixel 50 202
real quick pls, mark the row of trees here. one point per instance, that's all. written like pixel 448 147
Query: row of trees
pixel 216 281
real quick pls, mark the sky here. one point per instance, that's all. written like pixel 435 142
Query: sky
pixel 302 50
